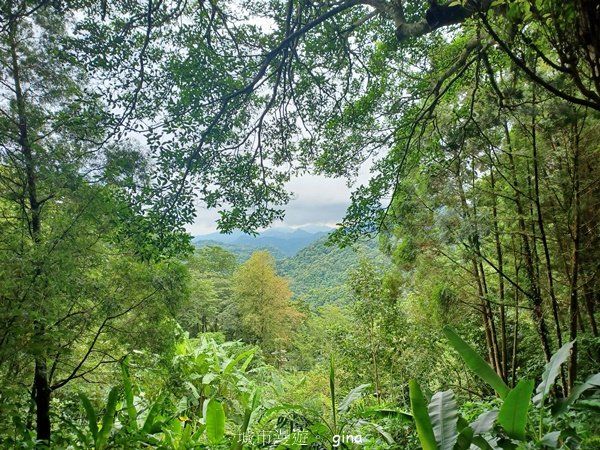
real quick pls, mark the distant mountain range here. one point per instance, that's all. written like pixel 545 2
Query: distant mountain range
pixel 280 241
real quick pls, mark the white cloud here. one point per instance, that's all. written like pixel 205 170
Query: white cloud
pixel 317 200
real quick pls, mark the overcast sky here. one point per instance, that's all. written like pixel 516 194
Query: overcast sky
pixel 318 201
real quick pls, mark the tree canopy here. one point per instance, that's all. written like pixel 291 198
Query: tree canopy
pixel 236 98
pixel 479 121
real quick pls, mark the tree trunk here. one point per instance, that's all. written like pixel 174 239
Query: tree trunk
pixel 42 400
pixel 516 326
pixel 540 222
pixel 541 227
pixel 501 292
pixel 534 293
pixel 588 293
pixel 479 275
pixel 41 386
pixel 576 234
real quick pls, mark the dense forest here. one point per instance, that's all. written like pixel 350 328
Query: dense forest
pixel 454 307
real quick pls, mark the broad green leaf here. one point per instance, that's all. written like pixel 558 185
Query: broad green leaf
pixel 108 419
pixel 91 415
pixel 182 405
pixel 385 412
pixel 551 439
pixel 215 421
pixel 513 413
pixel 485 443
pixel 464 440
pixel 421 417
pixel 332 391
pixel 256 399
pixel 589 404
pixel 562 406
pixel 249 354
pixel 476 363
pixel 485 422
pixel 247 416
pixel 151 417
pixel 193 389
pixel 551 372
pixel 209 377
pixel 444 417
pixel 461 423
pixel 387 437
pixel 352 396
pixel 128 389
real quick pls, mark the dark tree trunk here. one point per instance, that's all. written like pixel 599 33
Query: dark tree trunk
pixel 41 386
pixel 534 293
pixel 501 291
pixel 542 228
pixel 42 400
pixel 589 304
pixel 576 234
pixel 479 275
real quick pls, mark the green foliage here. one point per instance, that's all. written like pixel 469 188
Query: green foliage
pixel 476 363
pixel 421 417
pixel 513 413
pixel 560 407
pixel 550 373
pixel 215 421
pixel 263 303
pixel 100 436
pixel 319 272
pixel 444 418
pixel 437 425
pixel 483 146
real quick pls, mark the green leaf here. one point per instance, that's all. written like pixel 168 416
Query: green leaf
pixel 215 421
pixel 150 418
pixel 209 377
pixel 91 415
pixel 387 437
pixel 465 438
pixel 128 388
pixel 484 423
pixel 476 363
pixel 589 404
pixel 332 391
pixel 444 417
pixel 461 424
pixel 421 417
pixel 485 443
pixel 256 399
pixel 83 438
pixel 513 413
pixel 561 407
pixel 352 396
pixel 551 372
pixel 379 412
pixel 551 439
pixel 108 419
pixel 193 390
pixel 249 354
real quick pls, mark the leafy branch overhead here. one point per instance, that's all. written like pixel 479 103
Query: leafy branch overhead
pixel 273 89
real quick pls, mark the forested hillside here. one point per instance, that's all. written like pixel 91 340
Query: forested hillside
pixel 464 136
pixel 319 273
pixel 242 252
pixel 279 241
